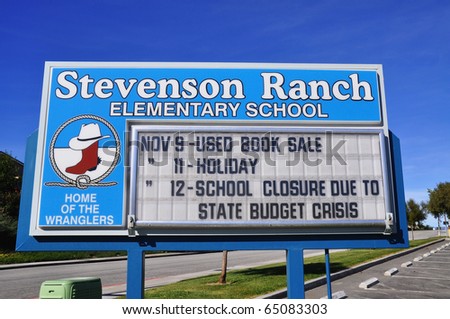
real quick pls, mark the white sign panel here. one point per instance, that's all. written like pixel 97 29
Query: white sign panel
pixel 282 180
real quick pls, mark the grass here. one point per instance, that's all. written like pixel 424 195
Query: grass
pixel 240 284
pixel 253 282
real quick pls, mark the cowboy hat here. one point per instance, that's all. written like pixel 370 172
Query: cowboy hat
pixel 89 134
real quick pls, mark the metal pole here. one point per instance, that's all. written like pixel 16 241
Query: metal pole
pixel 295 274
pixel 328 273
pixel 135 274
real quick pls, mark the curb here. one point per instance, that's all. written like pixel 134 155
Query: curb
pixel 314 283
pixel 391 272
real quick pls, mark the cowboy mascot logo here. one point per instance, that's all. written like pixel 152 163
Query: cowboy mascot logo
pixel 87 143
pixel 81 153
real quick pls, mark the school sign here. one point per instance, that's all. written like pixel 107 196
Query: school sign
pixel 212 156
pixel 129 149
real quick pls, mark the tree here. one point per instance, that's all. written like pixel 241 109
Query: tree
pixel 223 274
pixel 10 185
pixel 416 214
pixel 439 202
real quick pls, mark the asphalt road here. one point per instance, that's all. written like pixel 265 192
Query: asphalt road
pixel 422 274
pixel 24 282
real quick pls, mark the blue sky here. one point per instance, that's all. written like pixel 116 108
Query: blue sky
pixel 411 39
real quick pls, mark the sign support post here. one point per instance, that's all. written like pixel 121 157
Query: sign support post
pixel 295 274
pixel 135 273
pixel 328 273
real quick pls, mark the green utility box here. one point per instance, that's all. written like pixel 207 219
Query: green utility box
pixel 72 288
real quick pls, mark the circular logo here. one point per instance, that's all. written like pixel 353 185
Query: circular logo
pixel 83 151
